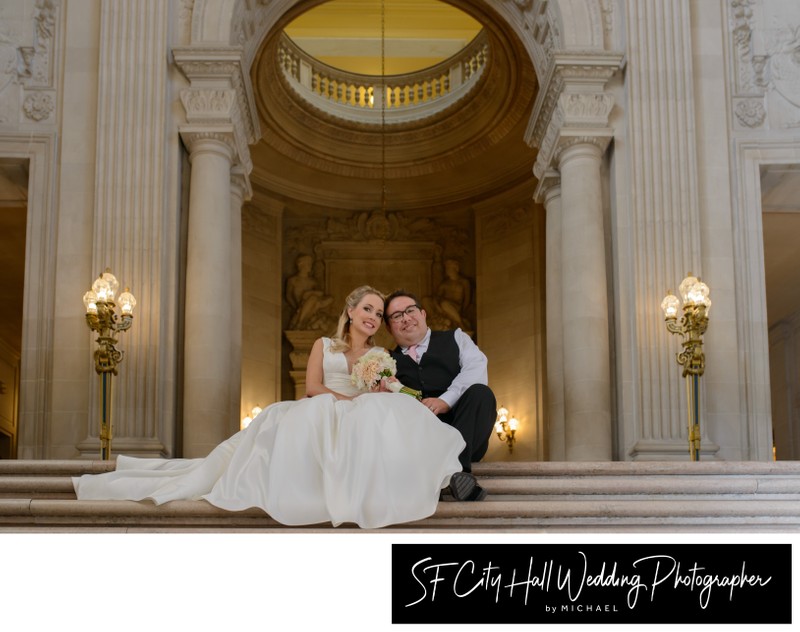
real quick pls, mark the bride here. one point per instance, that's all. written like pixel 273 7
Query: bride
pixel 340 455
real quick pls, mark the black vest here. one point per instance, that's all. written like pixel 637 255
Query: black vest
pixel 437 369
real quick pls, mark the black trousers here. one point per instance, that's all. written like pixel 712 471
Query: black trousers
pixel 473 416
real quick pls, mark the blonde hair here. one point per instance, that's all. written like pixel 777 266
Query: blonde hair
pixel 341 339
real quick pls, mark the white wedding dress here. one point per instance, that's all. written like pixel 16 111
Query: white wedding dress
pixel 376 460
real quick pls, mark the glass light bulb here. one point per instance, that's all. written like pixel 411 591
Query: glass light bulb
pixel 670 305
pixel 698 293
pixel 113 284
pixel 513 423
pixel 101 289
pixel 502 413
pixel 255 411
pixel 127 302
pixel 245 422
pixel 686 287
pixel 90 302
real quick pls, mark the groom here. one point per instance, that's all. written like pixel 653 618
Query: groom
pixel 450 370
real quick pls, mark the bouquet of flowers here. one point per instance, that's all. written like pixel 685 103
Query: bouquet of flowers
pixel 374 365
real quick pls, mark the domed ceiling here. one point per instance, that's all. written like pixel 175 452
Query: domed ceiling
pixel 470 152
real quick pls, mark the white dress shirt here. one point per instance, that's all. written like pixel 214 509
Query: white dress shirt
pixel 473 362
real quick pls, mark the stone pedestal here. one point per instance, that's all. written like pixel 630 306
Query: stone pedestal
pixel 301 341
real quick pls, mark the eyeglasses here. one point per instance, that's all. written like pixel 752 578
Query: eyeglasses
pixel 396 317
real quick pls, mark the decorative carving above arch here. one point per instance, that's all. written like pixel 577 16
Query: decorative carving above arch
pixel 543 25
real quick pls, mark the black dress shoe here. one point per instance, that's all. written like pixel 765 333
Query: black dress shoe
pixel 479 493
pixel 464 487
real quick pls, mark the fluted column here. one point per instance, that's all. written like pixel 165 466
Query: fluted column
pixel 659 229
pixel 208 320
pixel 135 226
pixel 587 374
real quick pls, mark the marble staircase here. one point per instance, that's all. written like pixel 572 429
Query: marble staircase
pixel 522 497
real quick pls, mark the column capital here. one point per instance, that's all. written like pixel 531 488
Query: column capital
pixel 221 67
pixel 572 106
pixel 207 138
pixel 575 145
pixel 219 94
pixel 577 118
pixel 570 72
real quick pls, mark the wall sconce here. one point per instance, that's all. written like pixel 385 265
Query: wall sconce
pixel 102 317
pixel 506 428
pixel 253 413
pixel 691 327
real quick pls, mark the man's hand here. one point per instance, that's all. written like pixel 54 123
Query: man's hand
pixel 435 405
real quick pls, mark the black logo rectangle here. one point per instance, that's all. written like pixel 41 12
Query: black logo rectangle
pixel 593 583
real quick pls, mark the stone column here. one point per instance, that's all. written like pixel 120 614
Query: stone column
pixel 554 314
pixel 208 309
pixel 221 123
pixel 570 127
pixel 587 374
pixel 239 191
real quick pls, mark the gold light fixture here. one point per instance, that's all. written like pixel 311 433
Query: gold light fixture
pixel 691 327
pixel 506 427
pixel 102 317
pixel 253 414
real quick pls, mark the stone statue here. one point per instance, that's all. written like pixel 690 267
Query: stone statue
pixel 452 298
pixel 306 299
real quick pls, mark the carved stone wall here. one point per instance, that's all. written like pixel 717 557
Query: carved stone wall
pixel 28 40
pixel 765 41
pixel 388 250
pixel 261 303
pixel 510 258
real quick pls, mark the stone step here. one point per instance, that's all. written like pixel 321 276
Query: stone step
pixel 583 469
pixel 649 496
pixel 729 514
pixel 516 488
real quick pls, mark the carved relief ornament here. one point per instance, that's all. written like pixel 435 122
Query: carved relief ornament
pixel 38 105
pixel 30 66
pixel 540 18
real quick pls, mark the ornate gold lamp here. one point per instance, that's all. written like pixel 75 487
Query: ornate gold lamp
pixel 506 428
pixel 102 317
pixel 253 414
pixel 692 326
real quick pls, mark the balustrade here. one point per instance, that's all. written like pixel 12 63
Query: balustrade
pixel 352 95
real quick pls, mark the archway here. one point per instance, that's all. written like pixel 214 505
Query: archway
pixel 542 29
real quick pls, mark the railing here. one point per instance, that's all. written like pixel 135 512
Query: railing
pixel 408 96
